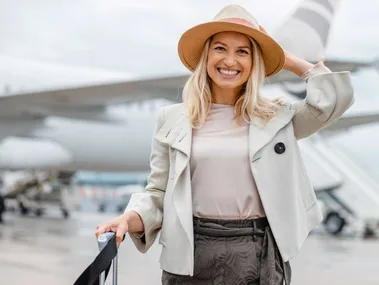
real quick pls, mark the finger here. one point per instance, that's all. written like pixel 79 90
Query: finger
pixel 122 229
pixel 102 229
pixel 262 29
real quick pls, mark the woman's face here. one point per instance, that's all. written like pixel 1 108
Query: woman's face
pixel 229 60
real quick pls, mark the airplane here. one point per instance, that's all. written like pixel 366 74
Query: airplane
pixel 34 192
pixel 107 126
pixel 89 127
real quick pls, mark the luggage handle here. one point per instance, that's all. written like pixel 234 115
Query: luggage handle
pixel 97 272
pixel 102 242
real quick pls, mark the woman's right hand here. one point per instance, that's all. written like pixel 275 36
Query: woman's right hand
pixel 118 225
pixel 127 222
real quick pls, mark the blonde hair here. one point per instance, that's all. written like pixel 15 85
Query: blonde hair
pixel 197 95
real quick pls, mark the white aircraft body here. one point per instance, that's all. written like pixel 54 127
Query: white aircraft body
pixel 108 126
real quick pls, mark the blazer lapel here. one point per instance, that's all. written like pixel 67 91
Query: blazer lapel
pixel 260 133
pixel 182 136
pixel 177 133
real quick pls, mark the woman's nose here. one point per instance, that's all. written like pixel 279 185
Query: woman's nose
pixel 229 61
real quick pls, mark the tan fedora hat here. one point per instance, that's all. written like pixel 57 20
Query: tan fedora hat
pixel 236 19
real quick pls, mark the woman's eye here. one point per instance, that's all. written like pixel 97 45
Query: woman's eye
pixel 219 48
pixel 243 51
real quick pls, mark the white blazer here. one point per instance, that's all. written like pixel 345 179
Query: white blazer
pixel 287 195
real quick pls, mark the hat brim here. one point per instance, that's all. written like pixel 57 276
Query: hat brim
pixel 192 42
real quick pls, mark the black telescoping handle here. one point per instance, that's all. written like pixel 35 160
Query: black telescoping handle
pixel 102 263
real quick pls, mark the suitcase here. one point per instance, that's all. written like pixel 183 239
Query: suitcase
pixel 96 273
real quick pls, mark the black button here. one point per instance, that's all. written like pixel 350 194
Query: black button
pixel 280 148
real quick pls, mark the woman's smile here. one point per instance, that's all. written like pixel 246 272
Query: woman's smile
pixel 228 73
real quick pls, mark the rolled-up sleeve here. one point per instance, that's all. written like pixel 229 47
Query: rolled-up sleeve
pixel 329 95
pixel 149 204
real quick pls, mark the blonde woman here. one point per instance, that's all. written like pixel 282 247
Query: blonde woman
pixel 228 190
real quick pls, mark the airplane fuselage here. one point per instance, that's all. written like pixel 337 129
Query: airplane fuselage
pixel 86 145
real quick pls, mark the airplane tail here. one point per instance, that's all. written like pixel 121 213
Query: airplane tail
pixel 306 30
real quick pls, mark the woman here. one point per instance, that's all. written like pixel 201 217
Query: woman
pixel 228 189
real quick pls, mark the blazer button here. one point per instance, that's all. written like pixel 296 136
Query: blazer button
pixel 280 148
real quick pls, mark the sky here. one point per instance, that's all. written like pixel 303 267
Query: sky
pixel 140 37
pixel 84 41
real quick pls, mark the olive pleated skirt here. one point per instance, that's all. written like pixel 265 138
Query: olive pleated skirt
pixel 234 252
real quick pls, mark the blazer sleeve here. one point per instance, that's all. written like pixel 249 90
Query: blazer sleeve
pixel 149 204
pixel 329 95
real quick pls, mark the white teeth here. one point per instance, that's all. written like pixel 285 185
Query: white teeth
pixel 228 72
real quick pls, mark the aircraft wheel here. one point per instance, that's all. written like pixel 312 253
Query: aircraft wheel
pixel 101 208
pixel 24 211
pixel 369 232
pixel 334 223
pixel 2 208
pixel 39 212
pixel 120 209
pixel 65 213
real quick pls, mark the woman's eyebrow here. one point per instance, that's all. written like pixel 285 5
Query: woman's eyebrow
pixel 227 45
pixel 244 47
pixel 220 43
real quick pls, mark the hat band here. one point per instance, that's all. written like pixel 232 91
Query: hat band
pixel 238 21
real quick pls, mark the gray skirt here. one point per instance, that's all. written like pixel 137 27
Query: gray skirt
pixel 234 252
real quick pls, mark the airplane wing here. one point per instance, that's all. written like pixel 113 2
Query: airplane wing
pixel 349 121
pixel 22 113
pixel 90 98
pixel 351 66
pixel 285 76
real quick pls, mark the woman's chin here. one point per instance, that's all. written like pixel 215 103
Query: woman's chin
pixel 228 85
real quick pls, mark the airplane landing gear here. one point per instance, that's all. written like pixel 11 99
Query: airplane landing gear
pixel 39 212
pixel 102 208
pixel 65 213
pixel 334 223
pixel 2 208
pixel 23 210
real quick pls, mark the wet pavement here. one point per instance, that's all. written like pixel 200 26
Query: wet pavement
pixel 50 250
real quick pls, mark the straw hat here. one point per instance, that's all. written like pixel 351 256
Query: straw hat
pixel 230 18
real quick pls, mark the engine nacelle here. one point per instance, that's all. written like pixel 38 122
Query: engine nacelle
pixel 25 153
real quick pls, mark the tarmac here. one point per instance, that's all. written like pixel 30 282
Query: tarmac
pixel 51 250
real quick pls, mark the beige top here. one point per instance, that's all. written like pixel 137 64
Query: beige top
pixel 222 183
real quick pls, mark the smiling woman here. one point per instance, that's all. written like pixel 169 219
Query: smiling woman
pixel 228 189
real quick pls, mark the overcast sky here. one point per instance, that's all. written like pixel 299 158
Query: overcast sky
pixel 140 37
pixel 113 39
